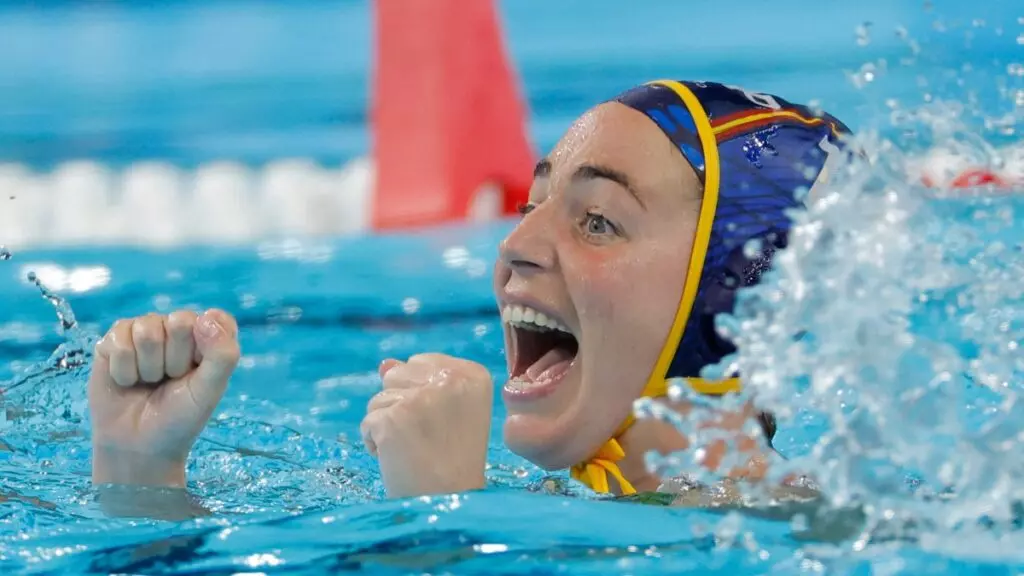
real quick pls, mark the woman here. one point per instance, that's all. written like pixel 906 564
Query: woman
pixel 635 238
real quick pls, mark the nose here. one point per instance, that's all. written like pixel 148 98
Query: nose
pixel 529 247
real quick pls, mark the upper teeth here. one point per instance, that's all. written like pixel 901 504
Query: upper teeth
pixel 526 317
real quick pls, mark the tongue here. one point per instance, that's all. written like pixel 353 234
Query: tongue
pixel 552 364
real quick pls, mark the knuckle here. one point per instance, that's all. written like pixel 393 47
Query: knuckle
pixel 120 346
pixel 148 331
pixel 121 322
pixel 122 351
pixel 477 372
pixel 120 327
pixel 373 425
pixel 180 323
pixel 225 319
pixel 424 357
pixel 379 401
pixel 229 353
pixel 375 400
pixel 393 377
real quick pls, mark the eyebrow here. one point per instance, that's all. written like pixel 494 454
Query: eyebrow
pixel 591 172
pixel 542 169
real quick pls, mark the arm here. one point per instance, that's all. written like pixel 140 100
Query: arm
pixel 155 381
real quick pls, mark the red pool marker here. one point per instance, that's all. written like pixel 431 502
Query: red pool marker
pixel 447 115
pixel 977 177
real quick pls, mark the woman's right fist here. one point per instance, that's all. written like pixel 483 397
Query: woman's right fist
pixel 155 382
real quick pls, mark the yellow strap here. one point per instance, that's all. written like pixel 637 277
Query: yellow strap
pixel 594 472
pixel 701 236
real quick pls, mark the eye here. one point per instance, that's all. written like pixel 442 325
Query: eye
pixel 526 208
pixel 596 224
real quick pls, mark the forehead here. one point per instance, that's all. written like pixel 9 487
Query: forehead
pixel 616 136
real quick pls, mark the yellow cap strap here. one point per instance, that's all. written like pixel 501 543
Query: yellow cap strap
pixel 594 472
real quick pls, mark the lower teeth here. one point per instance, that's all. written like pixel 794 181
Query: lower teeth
pixel 521 384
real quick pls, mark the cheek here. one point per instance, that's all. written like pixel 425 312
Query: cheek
pixel 603 295
pixel 626 304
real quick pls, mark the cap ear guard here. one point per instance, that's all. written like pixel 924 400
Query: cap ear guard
pixel 737 272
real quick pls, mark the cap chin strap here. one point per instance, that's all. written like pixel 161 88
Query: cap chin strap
pixel 594 472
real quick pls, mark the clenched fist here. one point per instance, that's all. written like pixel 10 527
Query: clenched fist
pixel 155 382
pixel 430 425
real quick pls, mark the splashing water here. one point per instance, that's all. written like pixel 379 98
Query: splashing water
pixel 70 356
pixel 894 324
pixel 37 414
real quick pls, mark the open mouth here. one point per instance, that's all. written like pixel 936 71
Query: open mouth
pixel 542 350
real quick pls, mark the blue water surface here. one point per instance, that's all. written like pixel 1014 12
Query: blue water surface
pixel 290 488
pixel 281 468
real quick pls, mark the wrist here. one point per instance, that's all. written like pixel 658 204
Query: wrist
pixel 110 466
pixel 436 486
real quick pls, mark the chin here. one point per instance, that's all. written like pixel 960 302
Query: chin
pixel 537 439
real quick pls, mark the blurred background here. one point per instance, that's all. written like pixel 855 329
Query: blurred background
pixel 116 115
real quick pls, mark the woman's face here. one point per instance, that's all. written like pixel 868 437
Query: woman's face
pixel 590 280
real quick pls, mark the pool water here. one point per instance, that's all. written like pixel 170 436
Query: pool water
pixel 280 470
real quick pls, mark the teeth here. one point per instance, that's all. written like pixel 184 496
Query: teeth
pixel 526 317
